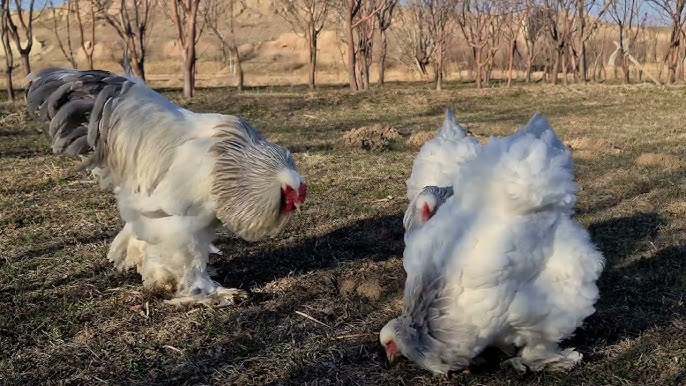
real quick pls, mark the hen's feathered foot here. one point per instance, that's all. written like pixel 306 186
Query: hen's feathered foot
pixel 537 360
pixel 221 298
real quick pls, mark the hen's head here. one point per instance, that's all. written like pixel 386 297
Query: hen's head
pixel 404 337
pixel 293 190
pixel 425 206
pixel 390 336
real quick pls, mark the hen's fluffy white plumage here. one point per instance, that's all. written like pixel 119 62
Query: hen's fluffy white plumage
pixel 501 263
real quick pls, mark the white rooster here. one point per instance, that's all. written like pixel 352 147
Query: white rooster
pixel 176 174
pixel 502 263
pixel 434 169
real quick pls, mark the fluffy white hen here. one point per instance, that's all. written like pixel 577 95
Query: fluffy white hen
pixel 502 263
pixel 176 174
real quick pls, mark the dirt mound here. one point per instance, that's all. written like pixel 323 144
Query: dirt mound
pixel 593 145
pixel 369 289
pixel 677 208
pixel 661 160
pixel 375 137
pixel 419 138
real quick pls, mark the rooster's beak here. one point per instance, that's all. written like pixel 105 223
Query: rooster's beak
pixel 297 207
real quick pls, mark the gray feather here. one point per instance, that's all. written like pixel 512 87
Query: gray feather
pixel 71 114
pixel 64 141
pixel 73 102
pixel 79 146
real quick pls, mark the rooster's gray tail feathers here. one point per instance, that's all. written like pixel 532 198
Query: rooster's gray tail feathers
pixel 77 106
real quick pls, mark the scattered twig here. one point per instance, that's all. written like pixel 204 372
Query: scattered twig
pixel 350 336
pixel 311 318
pixel 173 348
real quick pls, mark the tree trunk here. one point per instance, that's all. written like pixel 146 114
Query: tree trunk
pixel 556 65
pixel 439 67
pixel 25 63
pixel 478 66
pixel 564 68
pixel 529 62
pixel 189 71
pixel 190 57
pixel 9 60
pixel 9 85
pixel 351 47
pixel 139 67
pixel 583 65
pixel 510 65
pixel 382 57
pixel 239 68
pixel 312 44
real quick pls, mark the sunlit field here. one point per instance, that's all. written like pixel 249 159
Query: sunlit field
pixel 321 291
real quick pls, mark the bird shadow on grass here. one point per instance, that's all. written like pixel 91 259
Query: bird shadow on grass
pixel 374 238
pixel 638 291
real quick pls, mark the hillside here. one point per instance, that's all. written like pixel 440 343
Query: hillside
pixel 275 55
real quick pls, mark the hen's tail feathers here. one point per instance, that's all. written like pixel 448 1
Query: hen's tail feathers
pixel 539 127
pixel 451 130
pixel 77 105
pixel 535 169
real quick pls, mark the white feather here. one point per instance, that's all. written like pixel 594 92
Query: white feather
pixel 439 159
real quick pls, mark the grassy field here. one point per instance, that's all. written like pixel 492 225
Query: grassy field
pixel 68 317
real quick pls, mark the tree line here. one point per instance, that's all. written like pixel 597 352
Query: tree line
pixel 556 38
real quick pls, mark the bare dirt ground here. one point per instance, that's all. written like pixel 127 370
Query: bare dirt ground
pixel 68 317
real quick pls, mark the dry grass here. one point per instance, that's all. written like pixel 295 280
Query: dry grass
pixel 68 317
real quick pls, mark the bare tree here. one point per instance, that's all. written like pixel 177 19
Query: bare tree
pixel 25 16
pixel 513 24
pixel 534 28
pixel 626 15
pixel 364 33
pixel 306 17
pixel 185 18
pixel 440 24
pixel 415 43
pixel 558 24
pixel 675 12
pixel 384 18
pixel 220 19
pixel 133 23
pixel 88 46
pixel 584 31
pixel 63 31
pixel 7 48
pixel 480 24
pixel 352 18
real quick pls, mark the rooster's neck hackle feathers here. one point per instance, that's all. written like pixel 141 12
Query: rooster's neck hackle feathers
pixel 248 175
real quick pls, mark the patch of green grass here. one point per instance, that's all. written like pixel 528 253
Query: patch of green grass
pixel 67 316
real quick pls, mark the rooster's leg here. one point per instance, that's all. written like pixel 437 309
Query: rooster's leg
pixel 198 288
